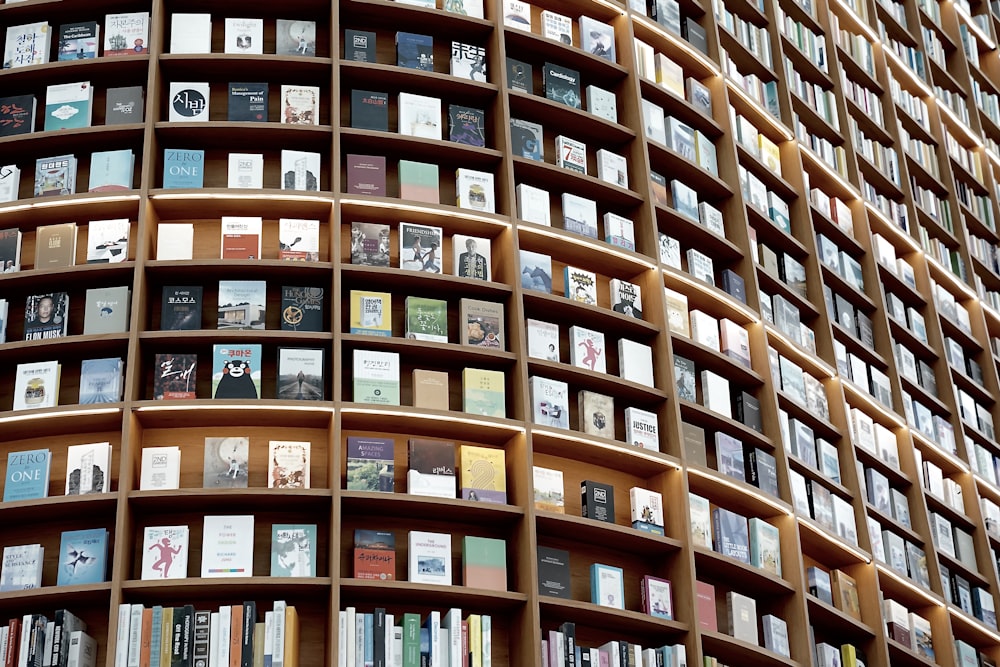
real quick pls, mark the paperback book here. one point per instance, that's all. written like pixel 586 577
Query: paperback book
pixel 83 557
pixel 165 552
pixel 293 550
pixel 88 469
pixel 175 376
pixel 236 371
pixel 374 554
pixel 370 464
pixel 302 308
pixel 100 380
pixel 300 374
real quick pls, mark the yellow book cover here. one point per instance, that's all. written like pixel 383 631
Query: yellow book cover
pixel 769 154
pixel 483 474
pixel 371 313
pixel 483 392
pixel 430 389
pixel 670 75
pixel 475 640
pixel 291 637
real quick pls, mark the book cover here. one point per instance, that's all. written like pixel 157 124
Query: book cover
pixel 580 285
pixel 180 308
pixel 731 534
pixel 741 612
pixel 288 464
pixel 111 170
pixel 300 374
pixel 21 567
pixel 536 271
pixel 657 600
pixel 301 308
pixel 190 32
pixel 165 552
pixel 226 462
pixel 293 550
pixel 475 190
pixel 244 36
pixel 295 38
pixel 374 554
pixel 107 310
pixel 548 489
pixel 27 44
pixel 55 176
pixel 160 469
pixel 298 240
pixel 483 392
pixel 427 319
pixel 365 176
pixel 175 376
pixel 765 546
pixel 246 170
pixel 646 510
pixel 484 563
pixel 642 429
pixel 468 61
pixel 126 34
pixel 236 371
pixel 597 38
pixel 553 572
pixel 586 349
pixel 519 76
pixel 83 557
pixel 571 154
pixel 376 377
pixel 371 313
pixel 227 546
pixel 79 41
pixel 55 246
pixel 579 215
pixel 430 389
pixel 10 186
pixel 482 474
pixel 607 586
pixel 415 51
pixel 27 475
pixel 420 247
pixel 183 168
pixel 543 340
pixel 189 102
pixel 431 468
pixel 549 402
pixel 562 84
pixel 100 380
pixel 370 243
pixel 429 558
pixel 597 501
pixel 46 316
pixel 247 102
pixel 626 298
pixel 300 170
pixel 472 256
pixel 420 116
pixel 370 464
pixel 481 323
pixel 369 110
pixel 124 105
pixel 107 241
pixel 17 115
pixel 242 303
pixel 597 414
pixel 359 46
pixel 68 106
pixel 88 468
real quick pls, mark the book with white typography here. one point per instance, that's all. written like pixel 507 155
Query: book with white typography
pixel 642 429
pixel 556 26
pixel 161 468
pixel 244 36
pixel 174 240
pixel 602 103
pixel 420 116
pixel 711 218
pixel 241 237
pixel 165 552
pixel 246 170
pixel 227 546
pixel 543 340
pixel 88 468
pixel 571 154
pixel 189 102
pixel 475 190
pixel 533 204
pixel 612 168
pixel 300 170
pixel 190 33
pixel 579 215
pixel 21 567
pixel 626 298
pixel 429 558
pixel 619 231
pixel 586 349
pixel 635 361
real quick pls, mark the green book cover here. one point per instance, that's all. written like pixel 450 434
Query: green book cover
pixel 427 319
pixel 484 563
pixel 293 550
pixel 483 392
pixel 419 181
pixel 376 377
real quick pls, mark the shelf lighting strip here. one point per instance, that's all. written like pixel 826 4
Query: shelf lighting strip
pixel 834 174
pixel 861 23
pixel 862 396
pixel 584 243
pixel 435 417
pixel 58 413
pixel 776 124
pixel 973 26
pixel 163 407
pixel 815 362
pixel 622 449
pixel 906 583
pixel 951 458
pixel 49 203
pixel 743 489
pixel 974 622
pixel 822 533
pixel 463 214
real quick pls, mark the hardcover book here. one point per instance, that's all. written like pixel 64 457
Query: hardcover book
pixel 543 340
pixel 301 308
pixel 562 84
pixel 626 298
pixel 484 563
pixel 597 38
pixel 607 586
pixel 107 310
pixel 288 464
pixel 483 474
pixel 553 572
pixel 227 546
pixel 579 215
pixel 731 534
pixel 376 377
pixel 299 105
pixel 571 154
pixel 126 34
pixel 536 271
pixel 68 106
pixel 46 315
pixel 475 190
pixel 549 402
pixel 236 371
pixel 88 469
pixel 300 170
pixel 370 243
pixel 161 468
pixel 657 600
pixel 17 115
pixel 295 38
pixel 107 241
pixel 642 429
pixel 374 554
pixel 359 46
pixel 431 468
pixel 580 285
pixel 420 247
pixel 55 176
pixel 180 308
pixel 597 414
pixel 242 303
pixel 244 36
pixel 226 462
pixel 427 319
pixel 430 389
pixel 293 550
pixel 190 32
pixel 519 76
pixel 597 501
pixel 429 558
pixel 175 376
pixel 300 374
pixel 369 110
pixel 183 168
pixel 765 546
pixel 420 116
pixel 415 51
pixel 365 176
pixel 468 61
pixel 483 393
pixel 10 186
pixel 586 349
pixel 21 567
pixel 556 26
pixel 371 313
pixel 527 139
pixel 646 510
pixel 481 324
pixel 27 44
pixel 27 475
pixel 83 557
pixel 419 181
pixel 370 464
pixel 548 489
pixel 247 102
pixel 298 240
pixel 189 102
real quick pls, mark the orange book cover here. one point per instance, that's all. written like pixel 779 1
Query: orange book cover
pixel 291 637
pixel 374 555
pixel 236 637
pixel 147 638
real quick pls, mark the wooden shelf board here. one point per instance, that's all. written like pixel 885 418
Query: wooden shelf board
pixel 375 504
pixel 602 533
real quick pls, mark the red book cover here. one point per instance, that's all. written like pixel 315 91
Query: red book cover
pixel 240 246
pixel 706 607
pixel 366 175
pixel 374 555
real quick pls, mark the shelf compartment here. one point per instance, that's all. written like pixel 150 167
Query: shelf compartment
pixel 613 324
pixel 586 127
pixel 699 415
pixel 56 597
pixel 430 423
pixel 586 252
pixel 616 455
pixel 197 589
pixel 632 623
pixel 730 492
pixel 751 580
pixel 221 134
pixel 27 511
pixel 219 67
pixel 691 233
pixel 736 652
pixel 624 390
pixel 559 179
pixel 601 533
pixel 200 413
pixel 836 553
pixel 600 72
pixel 709 358
pixel 60 420
pixel 359 503
pixel 418 282
pixel 235 500
pixel 440 596
pixel 431 353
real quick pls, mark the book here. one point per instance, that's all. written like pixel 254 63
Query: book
pixel 107 310
pixel 415 51
pixel 731 534
pixel 430 389
pixel 300 105
pixel 420 116
pixel 475 190
pixel 420 247
pixel 612 168
pixel 27 475
pixel 374 554
pixel 27 44
pixel 468 61
pixel 481 323
pixel 301 308
pixel 17 114
pixel 160 468
pixel 189 102
pixel 246 170
pixel 431 468
pixel 419 181
pixel 68 106
pixel 226 462
pixel 556 26
pixel 288 464
pixel 21 567
pixel 300 374
pixel 607 586
pixel 765 546
pixel 642 429
pixel 597 414
pixel 741 612
pixel 543 340
pixel 370 243
pixel 10 185
pixel 242 303
pixel 517 15
pixel 626 298
pixel 527 139
pixel 369 110
pixel 597 38
pixel 183 168
pixel 126 34
pixel 46 316
pixel 295 38
pixel 88 469
pixel 579 215
pixel 190 32
pixel 180 307
pixel 247 101
pixel 553 572
pixel 366 176
pixel 227 546
pixel 562 84
pixel 376 377
pixel 580 285
pixel 371 313
pixel 244 36
pixel 370 464
pixel 571 154
pixel 55 246
pixel 83 557
pixel 646 510
pixel 55 176
pixel 657 600
pixel 484 563
pixel 586 349
pixel 597 501
pixel 298 239
pixel 107 241
pixel 429 558
pixel 549 402
pixel 635 362
pixel 175 376
pixel 359 46
pixel 547 487
pixel 236 371
pixel 124 105
pixel 536 271
pixel 300 170
pixel 427 319
pixel 602 103
pixel 483 474
pixel 293 550
pixel 483 392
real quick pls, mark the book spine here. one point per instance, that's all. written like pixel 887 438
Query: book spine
pixel 167 637
pixel 249 620
pixel 225 630
pixel 187 636
pixel 487 624
pixel 50 631
pixel 202 630
pixel 13 642
pixel 22 653
pixel 291 636
pixel 278 650
pixel 411 640
pixel 146 640
pixel 156 636
pixel 213 640
pixel 268 639
pixel 342 639
pixel 351 630
pixel 569 631
pixel 135 636
pixel 258 644
pixel 378 640
pixel 36 646
pixel 236 636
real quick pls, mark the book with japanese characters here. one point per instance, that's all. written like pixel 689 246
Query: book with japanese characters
pixel 236 370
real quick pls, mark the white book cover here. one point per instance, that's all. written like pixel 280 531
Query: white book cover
pixel 88 468
pixel 189 102
pixel 161 468
pixel 602 103
pixel 429 558
pixel 227 546
pixel 549 402
pixel 126 34
pixel 10 182
pixel 107 241
pixel 704 329
pixel 300 170
pixel 642 429
pixel 165 552
pixel 244 36
pixel 472 257
pixel 579 215
pixel 246 170
pixel 288 463
pixel 715 394
pixel 556 26
pixel 612 168
pixel 597 38
pixel 571 154
pixel 647 506
pixel 619 231
pixel 543 340
pixel 635 361
pixel 586 349
pixel 22 567
pixel 420 116
pixel 533 204
pixel 517 15
pixel 475 190
pixel 27 44
pixel 190 33
pixel 298 240
pixel 299 105
pixel 654 124
pixel 711 218
pixel 174 240
pixel 36 385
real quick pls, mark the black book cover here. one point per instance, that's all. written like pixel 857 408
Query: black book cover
pixel 302 308
pixel 378 627
pixel 562 84
pixel 17 115
pixel 733 285
pixel 466 125
pixel 761 470
pixel 124 105
pixel 695 34
pixel 248 102
pixel 202 632
pixel 569 632
pixel 748 411
pixel 553 573
pixel 181 308
pixel 249 620
pixel 369 110
pixel 182 635
pixel 359 46
pixel 597 501
pixel 519 76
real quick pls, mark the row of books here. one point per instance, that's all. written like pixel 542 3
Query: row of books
pixel 579 284
pixel 56 245
pixel 742 621
pixel 754 542
pixel 109 171
pixel 70 105
pixel 88 470
pixel 836 588
pixel 159 636
pixel 561 649
pixel 83 559
pixel 24 641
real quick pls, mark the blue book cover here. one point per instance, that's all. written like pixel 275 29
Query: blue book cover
pixel 111 170
pixel 27 475
pixel 156 637
pixel 78 41
pixel 183 168
pixel 100 380
pixel 369 639
pixel 415 51
pixel 607 586
pixel 236 370
pixel 83 557
pixel 732 534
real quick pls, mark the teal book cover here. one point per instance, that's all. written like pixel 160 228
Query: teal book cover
pixel 67 106
pixel 183 168
pixel 27 475
pixel 236 371
pixel 293 550
pixel 83 557
pixel 111 170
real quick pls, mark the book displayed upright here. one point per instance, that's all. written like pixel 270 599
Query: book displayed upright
pixel 227 546
pixel 68 105
pixel 27 475
pixel 126 34
pixel 83 557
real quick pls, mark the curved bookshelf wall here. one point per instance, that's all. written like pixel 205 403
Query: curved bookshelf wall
pixel 802 192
